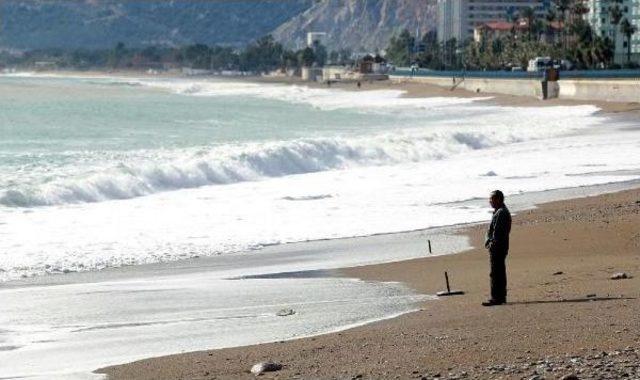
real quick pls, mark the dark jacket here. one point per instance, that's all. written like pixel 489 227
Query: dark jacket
pixel 499 229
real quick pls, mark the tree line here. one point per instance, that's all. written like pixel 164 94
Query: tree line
pixel 563 33
pixel 261 56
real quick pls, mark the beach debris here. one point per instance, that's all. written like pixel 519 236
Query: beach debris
pixel 285 312
pixel 260 368
pixel 490 173
pixel 592 295
pixel 449 292
pixel 620 276
pixel 558 273
pixel 570 376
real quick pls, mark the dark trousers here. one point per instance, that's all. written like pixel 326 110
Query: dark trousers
pixel 498 276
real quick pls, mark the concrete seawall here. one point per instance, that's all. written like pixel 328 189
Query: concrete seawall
pixel 619 90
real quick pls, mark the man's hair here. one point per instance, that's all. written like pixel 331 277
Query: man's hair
pixel 498 195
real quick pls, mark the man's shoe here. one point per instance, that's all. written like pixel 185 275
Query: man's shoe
pixel 492 303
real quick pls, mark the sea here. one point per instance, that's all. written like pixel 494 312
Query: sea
pixel 148 216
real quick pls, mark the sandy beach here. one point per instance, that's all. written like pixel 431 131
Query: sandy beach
pixel 563 311
pixel 565 315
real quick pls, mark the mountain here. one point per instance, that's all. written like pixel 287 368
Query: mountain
pixel 360 25
pixel 90 24
pixel 30 24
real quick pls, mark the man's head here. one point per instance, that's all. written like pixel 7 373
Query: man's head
pixel 496 200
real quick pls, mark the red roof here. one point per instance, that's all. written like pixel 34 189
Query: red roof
pixel 498 25
pixel 520 25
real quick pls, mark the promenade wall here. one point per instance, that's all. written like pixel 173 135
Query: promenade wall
pixel 618 90
pixel 611 90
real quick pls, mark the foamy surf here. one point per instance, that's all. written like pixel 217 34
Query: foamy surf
pixel 231 163
pixel 325 99
pixel 261 165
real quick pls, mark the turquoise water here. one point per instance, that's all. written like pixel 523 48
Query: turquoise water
pixel 49 115
pixel 54 128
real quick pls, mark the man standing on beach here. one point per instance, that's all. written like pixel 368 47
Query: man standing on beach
pixel 497 242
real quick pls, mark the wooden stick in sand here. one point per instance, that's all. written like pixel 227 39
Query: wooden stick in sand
pixel 449 292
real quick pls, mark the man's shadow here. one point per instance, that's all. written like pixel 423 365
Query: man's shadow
pixel 571 300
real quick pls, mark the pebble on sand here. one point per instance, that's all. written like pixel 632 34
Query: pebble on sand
pixel 285 312
pixel 260 368
pixel 620 276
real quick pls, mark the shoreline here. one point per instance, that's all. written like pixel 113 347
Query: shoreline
pixel 522 202
pixel 373 272
pixel 412 89
pixel 456 321
pixel 401 271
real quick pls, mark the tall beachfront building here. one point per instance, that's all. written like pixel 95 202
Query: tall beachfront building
pixel 599 17
pixel 458 18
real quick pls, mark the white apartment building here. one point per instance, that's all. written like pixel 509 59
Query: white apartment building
pixel 599 17
pixel 458 18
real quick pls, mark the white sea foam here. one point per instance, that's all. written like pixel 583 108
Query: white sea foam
pixel 46 335
pixel 111 208
pixel 325 99
pixel 132 176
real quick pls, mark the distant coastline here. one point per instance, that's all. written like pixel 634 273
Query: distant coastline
pixel 413 87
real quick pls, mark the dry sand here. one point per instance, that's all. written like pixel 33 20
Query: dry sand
pixel 549 316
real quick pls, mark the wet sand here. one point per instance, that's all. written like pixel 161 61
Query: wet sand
pixel 563 311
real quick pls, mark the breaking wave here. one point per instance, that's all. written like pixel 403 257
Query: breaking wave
pixel 246 162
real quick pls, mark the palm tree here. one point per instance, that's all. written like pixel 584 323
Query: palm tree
pixel 563 6
pixel 628 29
pixel 615 16
pixel 550 17
pixel 530 15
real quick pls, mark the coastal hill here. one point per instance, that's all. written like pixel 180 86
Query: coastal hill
pixel 358 24
pixel 93 24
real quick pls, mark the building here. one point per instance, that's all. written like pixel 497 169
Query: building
pixel 314 38
pixel 497 29
pixel 494 29
pixel 601 21
pixel 459 18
